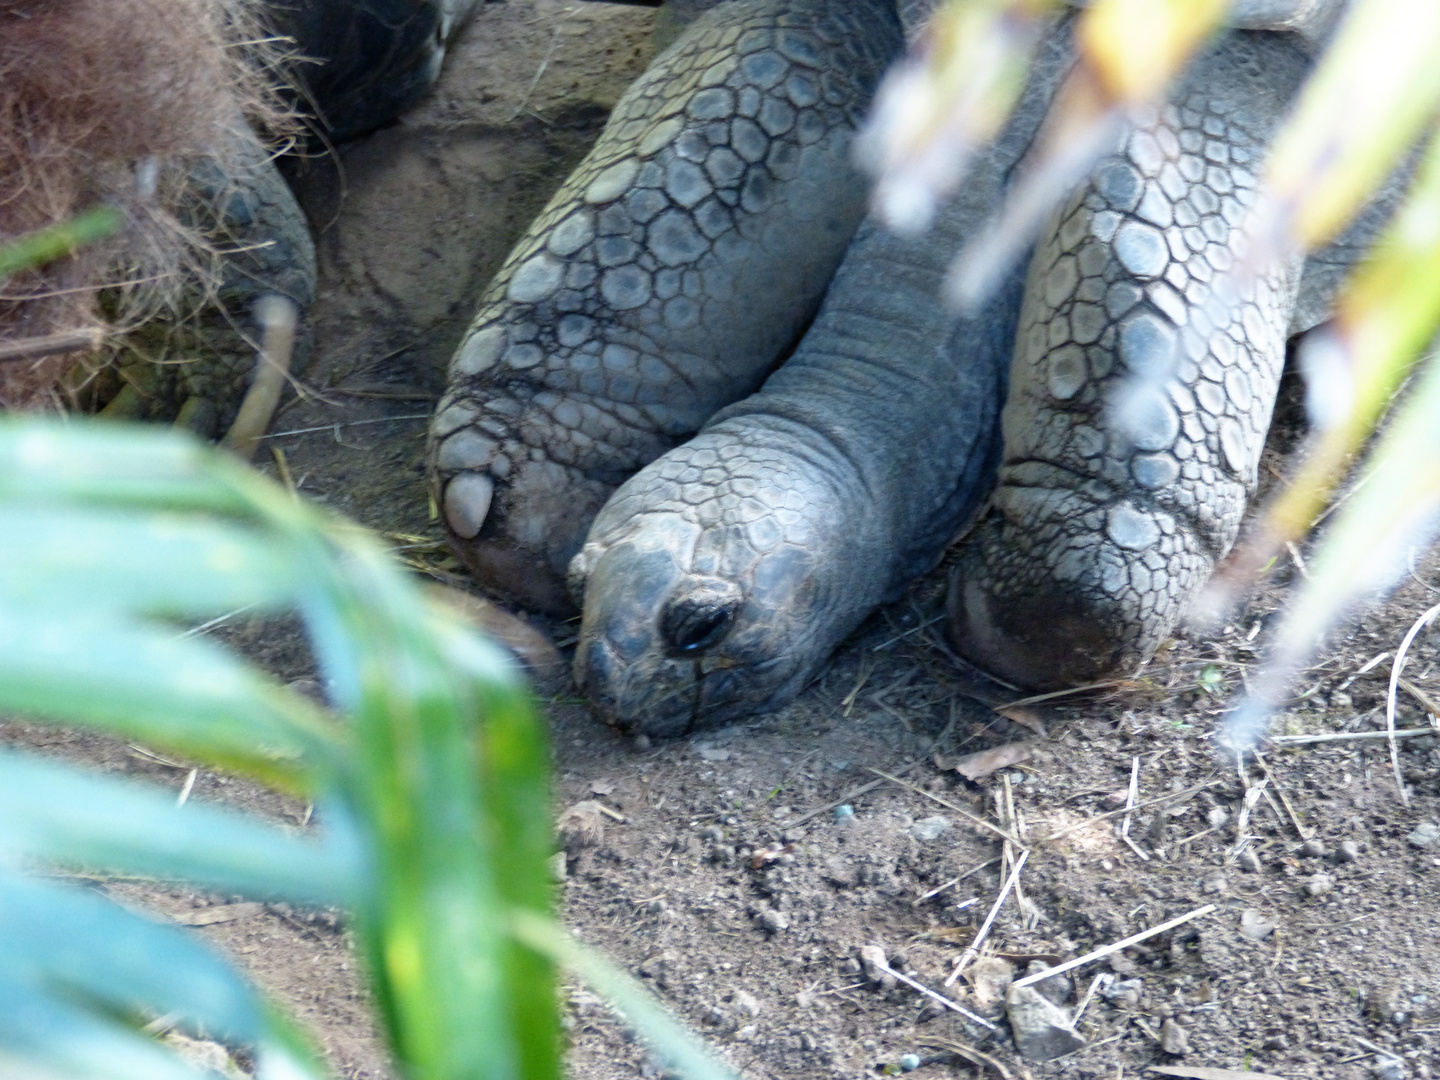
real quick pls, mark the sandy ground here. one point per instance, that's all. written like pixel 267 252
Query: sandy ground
pixel 732 887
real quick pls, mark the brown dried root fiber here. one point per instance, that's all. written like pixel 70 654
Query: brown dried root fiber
pixel 116 101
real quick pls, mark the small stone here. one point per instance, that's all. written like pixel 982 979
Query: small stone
pixel 642 742
pixel 1387 1068
pixel 1318 884
pixel 929 828
pixel 1312 849
pixel 711 753
pixel 909 1062
pixel 746 1003
pixel 1173 1039
pixel 1425 834
pixel 1123 993
pixel 656 906
pixel 1057 988
pixel 1217 816
pixel 1255 926
pixel 1216 883
pixel 772 921
pixel 991 977
pixel 844 815
pixel 582 825
pixel 1041 1028
pixel 873 962
pixel 1347 851
pixel 1250 861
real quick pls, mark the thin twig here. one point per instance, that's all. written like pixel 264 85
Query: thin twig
pixel 1101 953
pixel 34 348
pixel 1395 667
pixel 1071 692
pixel 969 1053
pixel 973 948
pixel 1130 795
pixel 1377 1049
pixel 1103 977
pixel 1426 701
pixel 956 881
pixel 344 424
pixel 1345 736
pixel 933 996
pixel 949 805
pixel 1305 834
pixel 1138 806
pixel 907 633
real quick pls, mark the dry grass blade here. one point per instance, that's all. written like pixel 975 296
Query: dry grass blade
pixel 973 949
pixel 996 829
pixel 64 341
pixel 939 999
pixel 1415 628
pixel 1171 797
pixel 969 1053
pixel 1346 736
pixel 1200 1072
pixel 278 315
pixel 1130 796
pixel 1125 943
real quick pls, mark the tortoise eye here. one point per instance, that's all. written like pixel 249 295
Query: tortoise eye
pixel 698 616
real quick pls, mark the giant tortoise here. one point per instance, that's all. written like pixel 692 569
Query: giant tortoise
pixel 606 419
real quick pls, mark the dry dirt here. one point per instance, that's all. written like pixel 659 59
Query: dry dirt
pixel 731 887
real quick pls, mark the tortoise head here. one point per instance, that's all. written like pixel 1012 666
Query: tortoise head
pixel 697 611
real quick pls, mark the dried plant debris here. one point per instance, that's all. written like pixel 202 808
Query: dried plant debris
pixel 118 102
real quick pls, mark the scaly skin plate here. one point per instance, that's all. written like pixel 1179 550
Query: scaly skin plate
pixel 1117 497
pixel 663 281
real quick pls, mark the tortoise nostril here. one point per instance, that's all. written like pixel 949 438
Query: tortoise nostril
pixel 698 615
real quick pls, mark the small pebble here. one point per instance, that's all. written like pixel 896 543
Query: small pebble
pixel 642 742
pixel 1312 849
pixel 910 1062
pixel 1319 884
pixel 1217 816
pixel 1124 993
pixel 1057 988
pixel 1173 1038
pixel 1347 851
pixel 1216 883
pixel 845 814
pixel 747 1003
pixel 772 921
pixel 1255 926
pixel 873 962
pixel 1250 861
pixel 929 828
pixel 1425 834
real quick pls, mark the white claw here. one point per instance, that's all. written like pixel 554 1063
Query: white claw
pixel 467 503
